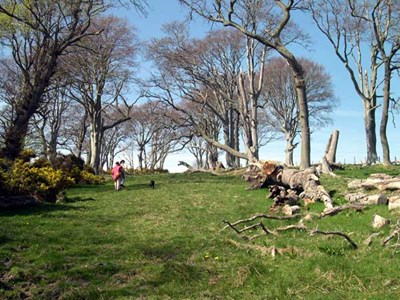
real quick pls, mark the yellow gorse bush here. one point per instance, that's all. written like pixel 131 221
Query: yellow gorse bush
pixel 43 182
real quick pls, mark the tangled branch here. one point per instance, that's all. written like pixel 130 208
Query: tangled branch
pixel 300 227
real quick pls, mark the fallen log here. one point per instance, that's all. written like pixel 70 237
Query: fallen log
pixel 381 182
pixel 305 182
pixel 394 202
pixel 258 216
pixel 355 206
pixel 367 199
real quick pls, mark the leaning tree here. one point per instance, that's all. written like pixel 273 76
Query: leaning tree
pixel 268 22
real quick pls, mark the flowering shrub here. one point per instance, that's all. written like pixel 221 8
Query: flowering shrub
pixel 90 178
pixel 43 182
pixel 42 179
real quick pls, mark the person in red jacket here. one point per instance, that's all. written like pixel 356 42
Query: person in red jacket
pixel 116 173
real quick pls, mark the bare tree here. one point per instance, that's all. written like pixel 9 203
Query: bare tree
pixel 269 23
pixel 383 18
pixel 75 130
pixel 48 120
pixel 281 102
pixel 154 133
pixel 112 145
pixel 10 79
pixel 351 39
pixel 38 34
pixel 100 76
pixel 207 73
pixel 198 148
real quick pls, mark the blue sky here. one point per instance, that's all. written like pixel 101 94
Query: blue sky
pixel 347 118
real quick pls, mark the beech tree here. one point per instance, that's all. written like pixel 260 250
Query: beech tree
pixel 75 130
pixel 100 77
pixel 382 16
pixel 154 134
pixel 38 33
pixel 267 22
pixel 360 33
pixel 207 73
pixel 48 121
pixel 281 103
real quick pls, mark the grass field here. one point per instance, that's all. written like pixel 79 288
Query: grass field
pixel 167 243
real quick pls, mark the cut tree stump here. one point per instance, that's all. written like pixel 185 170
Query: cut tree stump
pixel 329 158
pixel 330 152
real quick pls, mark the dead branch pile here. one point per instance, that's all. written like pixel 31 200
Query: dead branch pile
pixel 267 231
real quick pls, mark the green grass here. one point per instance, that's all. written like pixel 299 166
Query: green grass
pixel 167 243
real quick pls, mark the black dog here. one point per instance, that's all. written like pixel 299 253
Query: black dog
pixel 152 184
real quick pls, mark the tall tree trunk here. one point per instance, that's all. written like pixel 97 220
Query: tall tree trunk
pixel 300 83
pixel 213 156
pixel 305 160
pixel 228 141
pixel 233 132
pixel 370 132
pixel 141 157
pixel 236 137
pixel 95 143
pixel 385 113
pixel 31 99
pixel 289 149
pixel 82 135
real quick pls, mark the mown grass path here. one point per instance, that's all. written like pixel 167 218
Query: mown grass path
pixel 167 243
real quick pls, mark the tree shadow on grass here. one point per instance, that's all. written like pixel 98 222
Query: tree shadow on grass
pixel 78 199
pixel 141 186
pixel 39 209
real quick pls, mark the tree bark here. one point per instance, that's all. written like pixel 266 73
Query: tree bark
pixel 300 83
pixel 330 152
pixel 370 132
pixel 385 114
pixel 381 182
pixel 289 149
pixel 31 99
pixel 306 182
